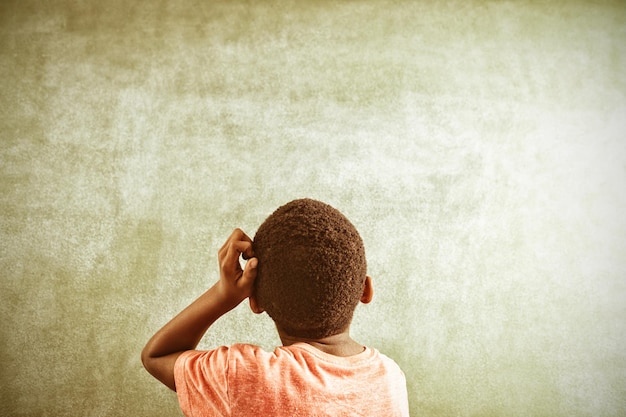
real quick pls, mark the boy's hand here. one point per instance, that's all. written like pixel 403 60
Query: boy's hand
pixel 236 284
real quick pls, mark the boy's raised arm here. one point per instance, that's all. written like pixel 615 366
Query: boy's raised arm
pixel 184 331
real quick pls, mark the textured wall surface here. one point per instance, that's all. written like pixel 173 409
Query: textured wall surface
pixel 479 147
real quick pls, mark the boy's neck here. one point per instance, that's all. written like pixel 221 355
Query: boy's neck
pixel 340 344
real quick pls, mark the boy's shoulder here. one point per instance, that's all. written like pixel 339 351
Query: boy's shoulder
pixel 305 355
pixel 298 358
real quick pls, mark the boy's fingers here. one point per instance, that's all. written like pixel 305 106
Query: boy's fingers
pixel 229 256
pixel 249 273
pixel 237 235
pixel 243 248
pixel 240 235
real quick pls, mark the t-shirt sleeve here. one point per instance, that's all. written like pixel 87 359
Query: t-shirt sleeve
pixel 201 382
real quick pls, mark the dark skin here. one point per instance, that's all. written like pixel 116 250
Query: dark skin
pixel 185 330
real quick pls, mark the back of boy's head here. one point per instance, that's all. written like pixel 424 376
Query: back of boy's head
pixel 311 269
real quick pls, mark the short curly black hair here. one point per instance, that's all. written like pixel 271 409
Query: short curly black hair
pixel 311 269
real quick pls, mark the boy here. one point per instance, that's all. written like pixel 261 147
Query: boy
pixel 306 268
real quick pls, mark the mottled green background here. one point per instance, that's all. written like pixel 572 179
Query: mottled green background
pixel 479 146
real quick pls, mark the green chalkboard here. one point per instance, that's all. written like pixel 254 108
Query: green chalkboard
pixel 478 146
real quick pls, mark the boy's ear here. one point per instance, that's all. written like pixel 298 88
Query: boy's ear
pixel 254 305
pixel 368 291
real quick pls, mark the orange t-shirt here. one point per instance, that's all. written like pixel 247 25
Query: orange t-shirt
pixel 297 380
